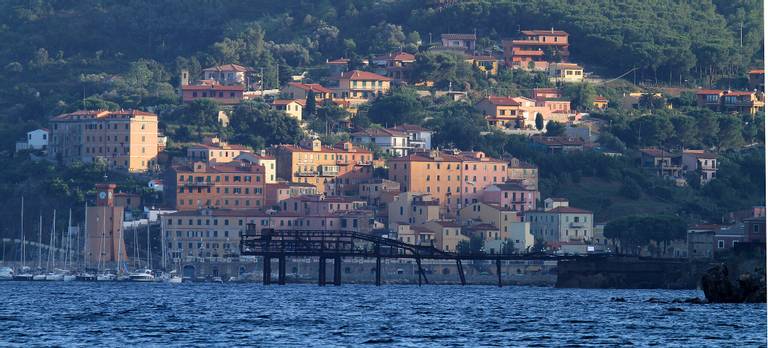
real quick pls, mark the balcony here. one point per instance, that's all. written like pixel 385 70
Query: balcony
pixel 576 225
pixel 196 183
pixel 306 173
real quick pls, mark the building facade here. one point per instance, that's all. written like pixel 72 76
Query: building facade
pixel 200 185
pixel 125 139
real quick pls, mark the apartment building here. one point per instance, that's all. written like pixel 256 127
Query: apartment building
pixel 213 149
pixel 454 178
pixel 409 208
pixel 392 142
pixel 536 46
pixel 124 139
pixel 334 170
pixel 359 86
pixel 558 222
pixel 233 185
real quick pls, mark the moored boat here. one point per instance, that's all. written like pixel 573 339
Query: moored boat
pixel 6 273
pixel 144 275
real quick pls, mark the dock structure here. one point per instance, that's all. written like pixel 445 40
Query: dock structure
pixel 335 245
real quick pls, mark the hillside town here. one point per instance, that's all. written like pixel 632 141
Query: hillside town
pixel 388 180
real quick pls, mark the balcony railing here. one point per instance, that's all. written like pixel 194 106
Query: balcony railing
pixel 196 183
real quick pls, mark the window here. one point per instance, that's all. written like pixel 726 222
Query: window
pixel 720 244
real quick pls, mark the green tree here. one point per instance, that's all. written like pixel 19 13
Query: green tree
pixel 310 109
pixel 555 128
pixel 539 121
pixel 401 106
pixel 253 121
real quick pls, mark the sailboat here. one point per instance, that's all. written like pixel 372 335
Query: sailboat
pixel 103 275
pixel 57 274
pixel 40 275
pixel 24 272
pixel 145 275
pixel 84 275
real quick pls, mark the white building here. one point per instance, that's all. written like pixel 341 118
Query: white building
pixel 392 142
pixel 35 140
pixel 418 137
pixel 559 223
pixel 269 163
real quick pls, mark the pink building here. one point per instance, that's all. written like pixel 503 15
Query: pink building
pixel 512 195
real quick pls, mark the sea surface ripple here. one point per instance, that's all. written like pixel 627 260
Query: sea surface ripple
pixel 138 314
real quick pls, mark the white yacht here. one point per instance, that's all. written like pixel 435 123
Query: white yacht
pixel 106 277
pixel 172 278
pixel 38 277
pixel 144 275
pixel 6 273
pixel 54 276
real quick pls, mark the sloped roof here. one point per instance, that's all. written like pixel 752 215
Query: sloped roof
pixel 315 87
pixel 359 75
pixel 544 32
pixel 229 67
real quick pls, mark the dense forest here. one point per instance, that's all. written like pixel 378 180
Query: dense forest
pixel 59 56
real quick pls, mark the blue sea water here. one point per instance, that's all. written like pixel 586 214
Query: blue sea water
pixel 140 314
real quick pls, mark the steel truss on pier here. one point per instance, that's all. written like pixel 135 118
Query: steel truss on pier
pixel 336 244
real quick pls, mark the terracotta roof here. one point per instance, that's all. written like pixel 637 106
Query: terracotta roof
pixel 219 146
pixel 740 93
pixel 757 71
pixel 229 67
pixel 288 101
pixel 505 101
pixel 443 156
pixel 600 98
pixel 100 114
pixel 359 75
pixel 225 167
pixel 315 87
pixel 449 36
pixel 397 56
pixel 338 148
pixel 710 91
pixel 544 32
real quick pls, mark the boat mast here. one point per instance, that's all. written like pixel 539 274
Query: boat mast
pixel 85 234
pixel 136 257
pixel 162 242
pixel 101 243
pixel 40 243
pixel 149 249
pixel 23 249
pixel 68 254
pixel 119 251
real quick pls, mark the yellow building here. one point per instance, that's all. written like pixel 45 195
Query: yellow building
pixel 125 139
pixel 447 235
pixel 566 72
pixel 291 107
pixel 487 64
pixel 335 169
pixel 358 86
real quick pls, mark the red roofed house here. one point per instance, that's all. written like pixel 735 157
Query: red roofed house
pixel 536 46
pixel 520 112
pixel 731 101
pixel 394 65
pixel 298 90
pixel 207 89
pixel 561 223
pixel 359 86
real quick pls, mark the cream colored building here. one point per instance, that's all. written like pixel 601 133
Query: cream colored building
pixel 215 150
pixel 508 222
pixel 291 107
pixel 447 235
pixel 566 72
pixel 357 87
pixel 269 163
pixel 124 139
pixel 410 208
pixel 560 223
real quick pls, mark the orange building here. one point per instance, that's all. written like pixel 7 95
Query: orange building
pixel 454 178
pixel 125 139
pixel 104 229
pixel 520 112
pixel 215 150
pixel 222 94
pixel 536 45
pixel 233 185
pixel 333 170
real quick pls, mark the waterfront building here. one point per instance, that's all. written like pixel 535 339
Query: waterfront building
pixel 453 178
pixel 447 235
pixel 410 208
pixel 232 185
pixel 508 223
pixel 104 229
pixel 558 222
pixel 334 170
pixel 320 205
pixel 123 139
